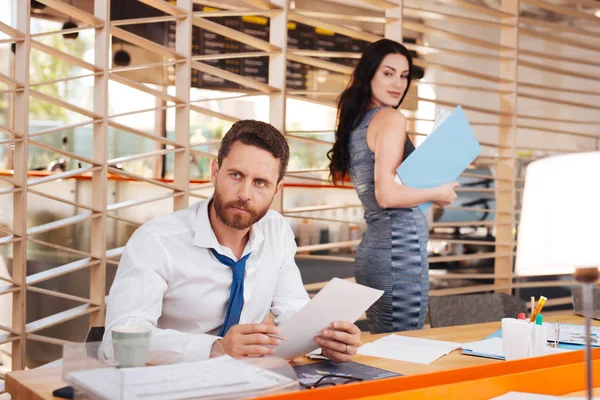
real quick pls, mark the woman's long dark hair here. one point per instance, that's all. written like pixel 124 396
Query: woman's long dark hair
pixel 355 100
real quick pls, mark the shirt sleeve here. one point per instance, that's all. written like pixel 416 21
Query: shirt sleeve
pixel 136 297
pixel 290 295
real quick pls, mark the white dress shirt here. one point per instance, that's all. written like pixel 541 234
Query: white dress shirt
pixel 169 279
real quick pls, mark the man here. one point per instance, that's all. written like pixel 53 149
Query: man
pixel 205 277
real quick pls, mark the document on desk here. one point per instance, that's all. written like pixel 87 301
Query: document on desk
pixel 339 300
pixel 532 396
pixel 446 152
pixel 574 334
pixel 207 379
pixel 411 349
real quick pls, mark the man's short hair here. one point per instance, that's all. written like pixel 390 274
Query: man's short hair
pixel 259 134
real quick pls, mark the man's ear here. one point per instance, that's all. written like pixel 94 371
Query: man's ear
pixel 279 186
pixel 214 168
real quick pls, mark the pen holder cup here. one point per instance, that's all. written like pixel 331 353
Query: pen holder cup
pixel 516 339
pixel 539 340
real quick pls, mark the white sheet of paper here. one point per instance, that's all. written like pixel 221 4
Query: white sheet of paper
pixel 406 348
pixel 531 396
pixel 401 352
pixel 207 378
pixel 339 300
pixel 437 345
pixel 317 355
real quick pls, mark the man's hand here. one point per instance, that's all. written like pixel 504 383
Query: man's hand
pixel 250 340
pixel 339 341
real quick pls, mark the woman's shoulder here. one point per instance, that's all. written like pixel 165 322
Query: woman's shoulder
pixel 388 117
pixel 389 113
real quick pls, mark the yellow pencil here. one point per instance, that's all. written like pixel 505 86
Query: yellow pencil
pixel 538 308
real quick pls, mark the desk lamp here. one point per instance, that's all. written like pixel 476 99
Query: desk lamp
pixel 559 231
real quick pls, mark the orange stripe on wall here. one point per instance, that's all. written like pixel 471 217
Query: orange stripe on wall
pixel 116 177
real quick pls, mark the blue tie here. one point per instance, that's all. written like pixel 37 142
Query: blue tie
pixel 236 294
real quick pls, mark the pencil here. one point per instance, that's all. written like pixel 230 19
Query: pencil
pixel 538 308
pixel 532 304
pixel 276 336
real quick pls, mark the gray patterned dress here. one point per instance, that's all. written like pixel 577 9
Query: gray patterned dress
pixel 392 255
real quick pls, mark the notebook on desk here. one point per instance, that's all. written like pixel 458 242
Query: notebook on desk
pixel 446 152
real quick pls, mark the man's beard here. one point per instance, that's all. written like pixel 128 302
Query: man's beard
pixel 239 221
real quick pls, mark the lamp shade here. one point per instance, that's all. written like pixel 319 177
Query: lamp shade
pixel 559 229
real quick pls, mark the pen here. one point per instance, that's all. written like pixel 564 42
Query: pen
pixel 276 336
pixel 338 374
pixel 538 308
pixel 532 304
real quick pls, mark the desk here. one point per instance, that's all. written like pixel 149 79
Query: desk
pixel 454 360
pixel 38 384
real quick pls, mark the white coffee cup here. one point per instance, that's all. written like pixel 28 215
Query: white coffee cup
pixel 130 345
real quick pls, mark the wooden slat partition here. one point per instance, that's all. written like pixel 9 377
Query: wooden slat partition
pixel 61 270
pixel 21 129
pixel 61 317
pixel 73 12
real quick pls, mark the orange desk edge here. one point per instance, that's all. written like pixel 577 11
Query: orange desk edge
pixel 554 374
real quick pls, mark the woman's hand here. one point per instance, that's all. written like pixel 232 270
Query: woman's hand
pixel 446 194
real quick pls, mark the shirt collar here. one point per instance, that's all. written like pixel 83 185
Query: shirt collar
pixel 205 236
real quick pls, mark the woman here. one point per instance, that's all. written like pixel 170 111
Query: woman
pixel 370 143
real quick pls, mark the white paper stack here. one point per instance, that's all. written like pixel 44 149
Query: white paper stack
pixel 213 378
pixel 404 348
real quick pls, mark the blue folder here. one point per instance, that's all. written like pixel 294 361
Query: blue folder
pixel 443 156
